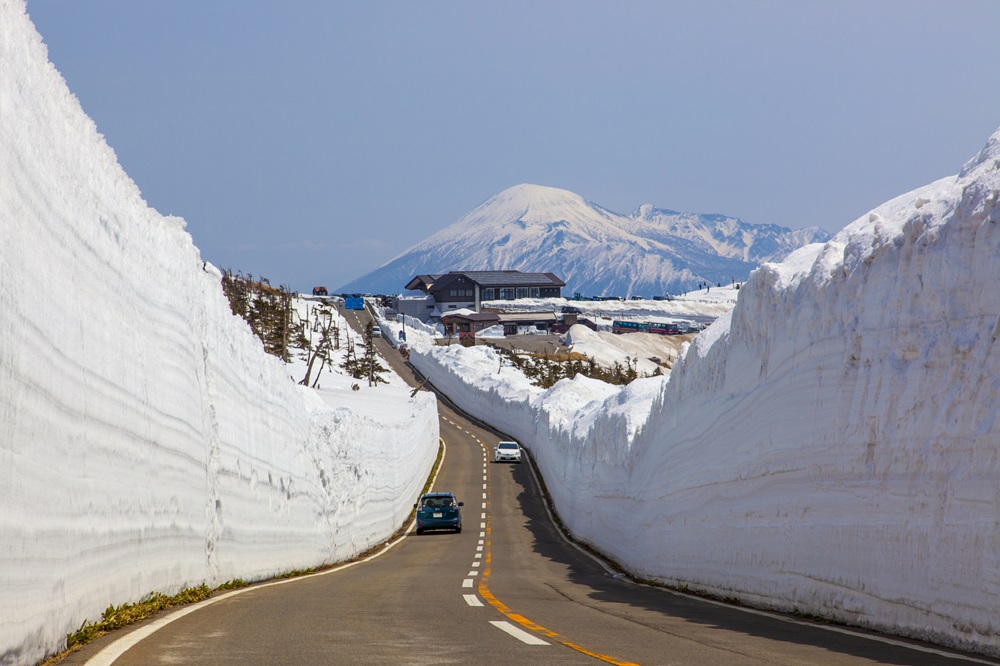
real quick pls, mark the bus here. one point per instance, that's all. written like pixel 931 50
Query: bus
pixel 618 326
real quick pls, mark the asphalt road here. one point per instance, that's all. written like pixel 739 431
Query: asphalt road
pixel 508 590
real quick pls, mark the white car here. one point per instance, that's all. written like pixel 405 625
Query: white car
pixel 507 451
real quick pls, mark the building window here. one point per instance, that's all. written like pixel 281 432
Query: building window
pixel 522 292
pixel 534 292
pixel 506 293
pixel 487 294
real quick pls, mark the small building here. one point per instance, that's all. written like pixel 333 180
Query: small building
pixel 418 307
pixel 468 289
pixel 526 323
pixel 457 323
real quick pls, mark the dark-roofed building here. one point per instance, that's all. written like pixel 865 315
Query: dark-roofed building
pixel 526 323
pixel 469 322
pixel 468 289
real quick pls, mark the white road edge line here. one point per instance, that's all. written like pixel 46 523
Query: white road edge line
pixel 120 646
pixel 519 634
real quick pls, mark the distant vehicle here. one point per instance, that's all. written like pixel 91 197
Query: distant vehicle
pixel 438 511
pixel 570 309
pixel 320 291
pixel 664 329
pixel 507 452
pixel 618 326
pixel 637 298
pixel 376 332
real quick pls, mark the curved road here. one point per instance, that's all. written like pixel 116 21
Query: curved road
pixel 508 590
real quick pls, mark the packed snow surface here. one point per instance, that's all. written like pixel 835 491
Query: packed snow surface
pixel 830 446
pixel 147 443
pixel 646 352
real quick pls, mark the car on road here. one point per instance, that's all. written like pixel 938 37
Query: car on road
pixel 438 511
pixel 507 452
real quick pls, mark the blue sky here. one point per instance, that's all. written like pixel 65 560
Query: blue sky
pixel 310 142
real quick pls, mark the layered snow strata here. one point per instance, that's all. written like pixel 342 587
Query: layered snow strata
pixel 147 443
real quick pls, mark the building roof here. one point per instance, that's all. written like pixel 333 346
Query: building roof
pixel 486 279
pixel 472 316
pixel 514 317
pixel 513 279
pixel 422 282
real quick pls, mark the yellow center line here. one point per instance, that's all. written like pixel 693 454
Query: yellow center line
pixel 484 592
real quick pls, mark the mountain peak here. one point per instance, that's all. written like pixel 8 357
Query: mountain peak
pixel 532 203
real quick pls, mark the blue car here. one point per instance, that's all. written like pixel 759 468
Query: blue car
pixel 438 511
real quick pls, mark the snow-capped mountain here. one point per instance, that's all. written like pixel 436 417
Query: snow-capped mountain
pixel 596 251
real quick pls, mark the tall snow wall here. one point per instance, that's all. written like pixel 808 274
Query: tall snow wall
pixel 830 447
pixel 147 443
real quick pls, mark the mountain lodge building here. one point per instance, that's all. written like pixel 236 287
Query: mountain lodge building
pixel 468 289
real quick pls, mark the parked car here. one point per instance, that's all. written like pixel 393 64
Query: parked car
pixel 507 452
pixel 438 511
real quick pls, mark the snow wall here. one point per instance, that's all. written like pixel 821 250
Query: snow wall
pixel 147 443
pixel 830 447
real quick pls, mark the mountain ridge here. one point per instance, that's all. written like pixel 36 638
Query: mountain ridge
pixel 535 228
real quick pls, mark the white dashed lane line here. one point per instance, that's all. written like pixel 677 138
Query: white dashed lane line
pixel 519 634
pixel 467 582
pixel 473 600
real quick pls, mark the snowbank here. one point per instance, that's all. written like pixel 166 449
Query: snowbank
pixel 828 447
pixel 146 441
pixel 648 351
